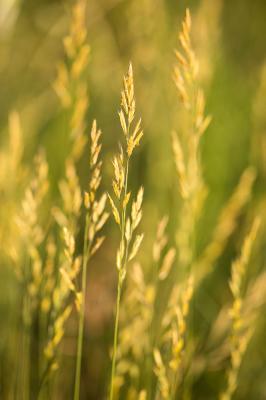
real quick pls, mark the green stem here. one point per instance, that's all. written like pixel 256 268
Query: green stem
pixel 44 377
pixel 82 310
pixel 42 328
pixel 153 334
pixel 24 373
pixel 25 349
pixel 119 287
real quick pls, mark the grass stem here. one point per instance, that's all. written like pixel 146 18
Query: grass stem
pixel 119 287
pixel 82 311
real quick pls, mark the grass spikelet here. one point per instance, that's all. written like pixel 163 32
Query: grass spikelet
pixel 71 88
pixel 207 35
pixel 70 84
pixel 142 395
pixel 138 312
pixel 71 197
pixel 240 334
pixel 127 222
pixel 49 275
pixel 33 230
pixel 175 328
pixel 69 263
pixel 186 146
pixel 13 176
pixel 31 225
pixel 95 219
pixel 160 372
pixel 135 322
pixel 72 264
pixel 161 239
pixel 186 149
pixel 178 331
pixel 139 315
pixel 61 309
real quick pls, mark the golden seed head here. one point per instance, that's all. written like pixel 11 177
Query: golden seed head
pixel 127 114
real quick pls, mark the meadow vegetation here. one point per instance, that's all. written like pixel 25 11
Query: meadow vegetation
pixel 123 276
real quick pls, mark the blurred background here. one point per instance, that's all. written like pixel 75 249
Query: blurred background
pixel 229 39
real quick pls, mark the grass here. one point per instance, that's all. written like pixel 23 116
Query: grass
pixel 157 351
pixel 127 223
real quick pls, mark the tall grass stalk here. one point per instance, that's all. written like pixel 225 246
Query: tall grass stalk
pixel 127 224
pixel 118 298
pixel 95 219
pixel 25 379
pixel 119 287
pixel 71 87
pixel 82 312
pixel 240 334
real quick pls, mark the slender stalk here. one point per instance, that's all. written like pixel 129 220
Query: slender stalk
pixel 44 378
pixel 25 349
pixel 82 310
pixel 120 184
pixel 119 287
pixel 24 384
pixel 42 328
pixel 95 220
